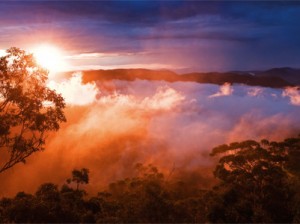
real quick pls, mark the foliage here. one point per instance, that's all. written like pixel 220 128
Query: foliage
pixel 146 197
pixel 79 177
pixel 256 181
pixel 28 109
pixel 259 182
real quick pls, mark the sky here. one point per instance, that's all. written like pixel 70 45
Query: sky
pixel 176 35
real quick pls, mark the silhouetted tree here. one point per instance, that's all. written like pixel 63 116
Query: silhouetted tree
pixel 259 182
pixel 49 205
pixel 256 181
pixel 72 204
pixel 146 197
pixel 28 109
pixel 79 177
pixel 20 208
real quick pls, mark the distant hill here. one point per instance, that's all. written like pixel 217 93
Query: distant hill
pixel 130 75
pixel 220 78
pixel 274 78
pixel 289 74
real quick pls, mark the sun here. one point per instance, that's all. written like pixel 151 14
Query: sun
pixel 50 57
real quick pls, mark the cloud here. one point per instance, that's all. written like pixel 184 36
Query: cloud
pixel 255 91
pixel 166 124
pixel 2 53
pixel 143 12
pixel 294 94
pixel 166 98
pixel 205 36
pixel 225 90
pixel 73 91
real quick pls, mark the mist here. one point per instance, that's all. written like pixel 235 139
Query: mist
pixel 113 125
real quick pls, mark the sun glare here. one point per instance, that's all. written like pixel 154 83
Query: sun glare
pixel 50 57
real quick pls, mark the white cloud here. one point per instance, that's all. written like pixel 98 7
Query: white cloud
pixel 225 90
pixel 2 53
pixel 255 91
pixel 294 94
pixel 74 92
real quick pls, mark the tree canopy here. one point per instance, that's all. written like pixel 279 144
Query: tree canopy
pixel 258 181
pixel 79 177
pixel 28 108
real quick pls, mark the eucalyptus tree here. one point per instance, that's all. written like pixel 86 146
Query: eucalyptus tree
pixel 28 108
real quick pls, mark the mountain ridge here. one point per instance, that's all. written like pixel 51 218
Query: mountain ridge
pixel 273 78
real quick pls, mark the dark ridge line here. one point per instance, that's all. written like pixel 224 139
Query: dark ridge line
pixel 263 79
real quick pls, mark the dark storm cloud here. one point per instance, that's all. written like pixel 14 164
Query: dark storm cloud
pixel 243 33
pixel 145 12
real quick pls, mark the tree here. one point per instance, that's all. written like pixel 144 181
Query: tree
pixel 79 177
pixel 19 209
pixel 28 108
pixel 256 181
